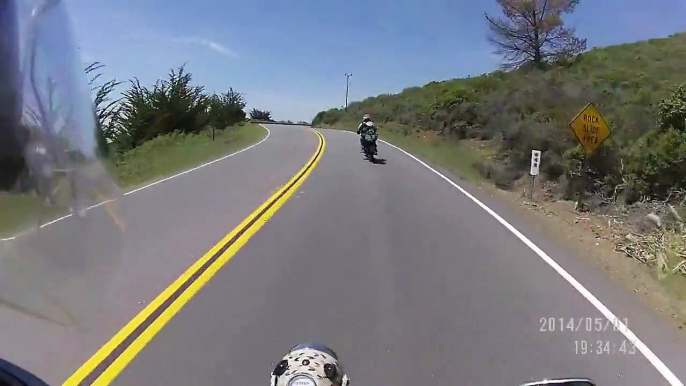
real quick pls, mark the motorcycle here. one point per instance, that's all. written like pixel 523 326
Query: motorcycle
pixel 309 364
pixel 315 364
pixel 11 374
pixel 368 140
pixel 370 150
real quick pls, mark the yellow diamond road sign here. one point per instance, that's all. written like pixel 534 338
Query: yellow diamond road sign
pixel 590 128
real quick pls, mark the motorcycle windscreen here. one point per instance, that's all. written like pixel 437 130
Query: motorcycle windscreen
pixel 61 229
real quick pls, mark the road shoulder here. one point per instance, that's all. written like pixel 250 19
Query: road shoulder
pixel 587 236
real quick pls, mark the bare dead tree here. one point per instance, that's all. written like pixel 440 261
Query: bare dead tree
pixel 532 31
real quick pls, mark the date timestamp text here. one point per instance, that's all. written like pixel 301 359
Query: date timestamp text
pixel 580 324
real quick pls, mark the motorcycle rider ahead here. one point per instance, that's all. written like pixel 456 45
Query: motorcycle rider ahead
pixel 367 132
pixel 362 126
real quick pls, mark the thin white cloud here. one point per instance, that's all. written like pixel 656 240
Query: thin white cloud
pixel 217 47
pixel 152 35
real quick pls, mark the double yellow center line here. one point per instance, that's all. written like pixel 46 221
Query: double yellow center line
pixel 104 366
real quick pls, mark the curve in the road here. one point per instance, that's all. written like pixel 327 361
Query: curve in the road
pixel 114 356
pixel 393 268
pixel 135 190
pixel 611 317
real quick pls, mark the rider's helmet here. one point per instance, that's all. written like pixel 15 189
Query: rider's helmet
pixel 366 118
pixel 311 364
pixel 52 159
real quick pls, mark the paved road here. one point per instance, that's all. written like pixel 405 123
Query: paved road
pixel 408 279
pixel 402 274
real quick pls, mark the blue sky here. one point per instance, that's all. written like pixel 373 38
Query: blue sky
pixel 290 56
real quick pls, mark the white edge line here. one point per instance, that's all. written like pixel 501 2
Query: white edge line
pixel 201 166
pixel 269 133
pixel 647 353
pixel 55 220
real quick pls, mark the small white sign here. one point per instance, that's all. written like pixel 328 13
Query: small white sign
pixel 535 162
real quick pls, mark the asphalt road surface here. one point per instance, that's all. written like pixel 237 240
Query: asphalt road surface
pixel 409 280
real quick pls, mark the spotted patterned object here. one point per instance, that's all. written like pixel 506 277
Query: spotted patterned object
pixel 309 365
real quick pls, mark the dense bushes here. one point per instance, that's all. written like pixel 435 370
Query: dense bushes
pixel 226 109
pixel 635 86
pixel 673 110
pixel 261 115
pixel 172 105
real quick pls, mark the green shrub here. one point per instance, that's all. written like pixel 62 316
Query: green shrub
pixel 172 105
pixel 672 111
pixel 657 163
pixel 226 109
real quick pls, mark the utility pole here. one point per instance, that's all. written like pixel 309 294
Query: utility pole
pixel 347 83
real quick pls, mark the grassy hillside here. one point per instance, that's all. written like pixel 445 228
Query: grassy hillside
pixel 530 109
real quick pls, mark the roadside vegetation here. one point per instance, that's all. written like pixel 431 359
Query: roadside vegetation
pixel 484 127
pixel 261 115
pixel 150 132
pixel 155 131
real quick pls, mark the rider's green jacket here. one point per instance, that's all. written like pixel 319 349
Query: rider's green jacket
pixel 368 132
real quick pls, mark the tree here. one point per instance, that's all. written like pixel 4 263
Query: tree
pixel 234 98
pixel 106 109
pixel 171 105
pixel 260 115
pixel 533 32
pixel 226 109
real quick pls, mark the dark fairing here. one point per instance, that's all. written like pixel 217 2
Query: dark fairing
pixel 12 375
